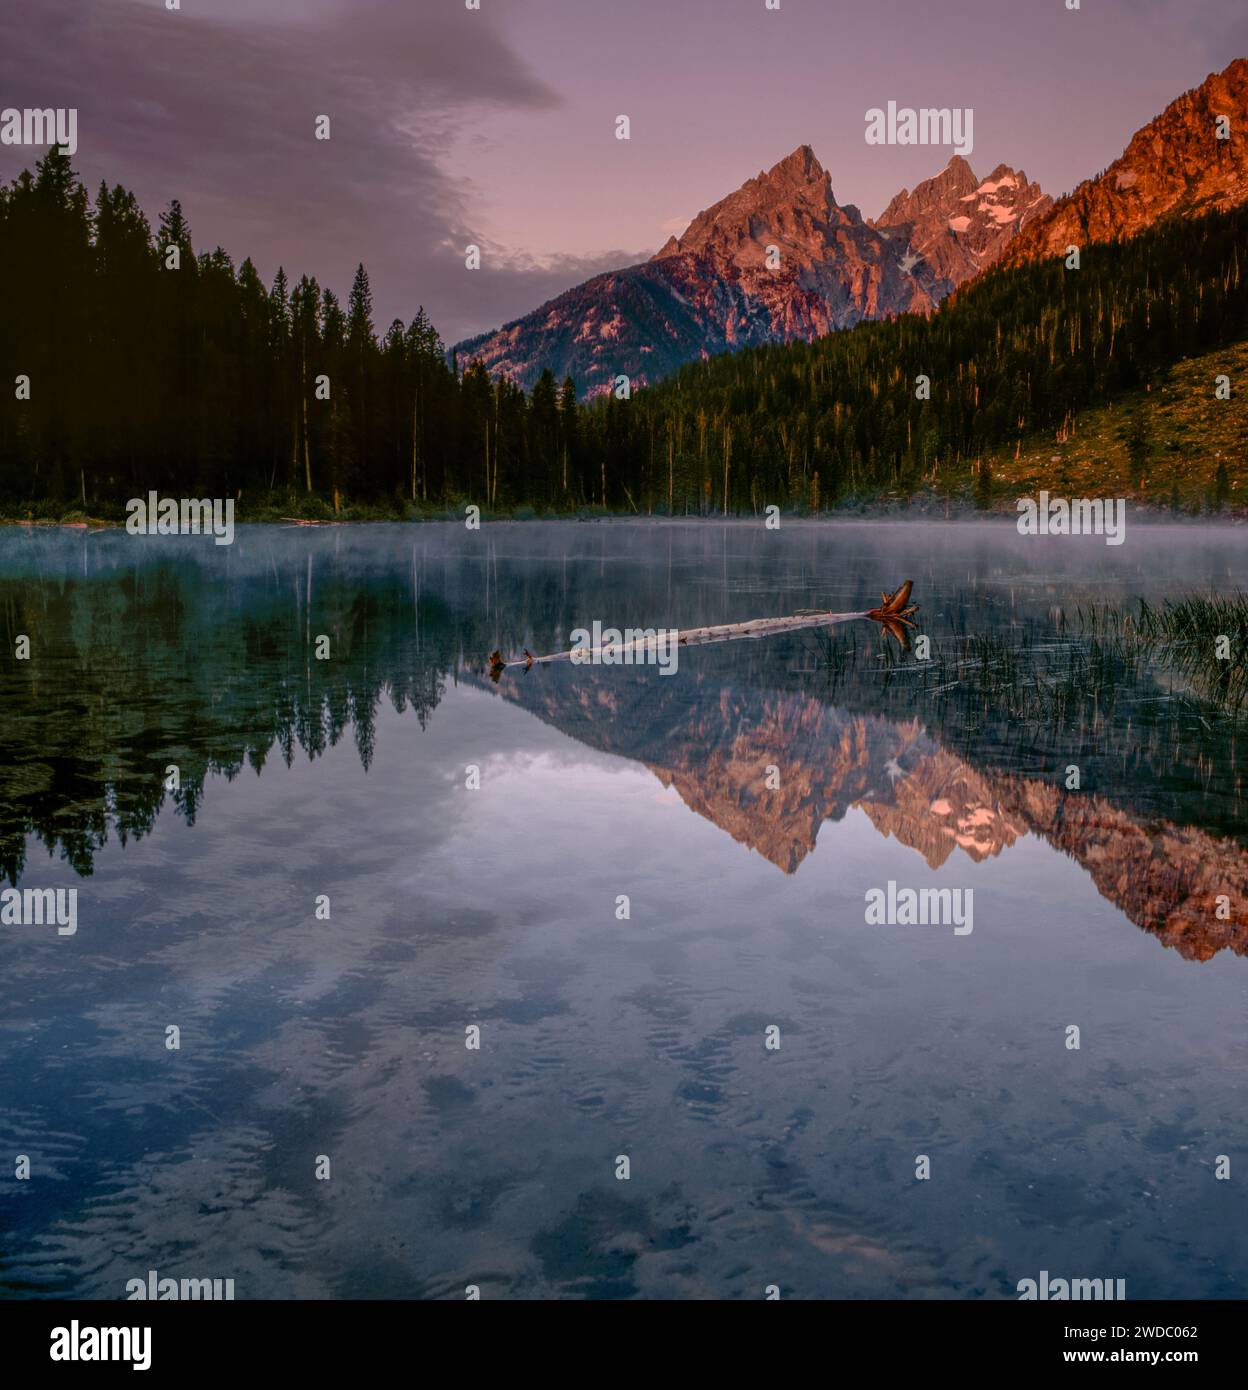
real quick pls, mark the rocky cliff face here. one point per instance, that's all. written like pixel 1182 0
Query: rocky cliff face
pixel 1174 167
pixel 778 260
pixel 958 225
pixel 833 268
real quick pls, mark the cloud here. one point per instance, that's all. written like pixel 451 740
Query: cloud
pixel 221 112
pixel 512 286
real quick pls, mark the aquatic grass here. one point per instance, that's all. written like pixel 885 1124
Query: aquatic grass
pixel 1084 668
pixel 1105 687
pixel 1187 637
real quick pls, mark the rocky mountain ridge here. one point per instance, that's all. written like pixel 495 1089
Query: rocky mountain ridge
pixel 780 260
pixel 776 261
pixel 1175 166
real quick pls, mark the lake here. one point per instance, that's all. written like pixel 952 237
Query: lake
pixel 310 832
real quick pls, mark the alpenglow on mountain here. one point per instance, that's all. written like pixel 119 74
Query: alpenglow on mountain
pixel 1191 159
pixel 712 290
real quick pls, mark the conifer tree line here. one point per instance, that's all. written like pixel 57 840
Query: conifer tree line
pixel 151 365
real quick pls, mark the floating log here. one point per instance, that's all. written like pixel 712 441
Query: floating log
pixel 893 615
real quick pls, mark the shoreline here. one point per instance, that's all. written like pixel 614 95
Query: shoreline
pixel 1140 513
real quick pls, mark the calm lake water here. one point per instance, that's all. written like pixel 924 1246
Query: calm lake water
pixel 746 805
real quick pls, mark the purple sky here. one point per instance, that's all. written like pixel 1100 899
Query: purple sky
pixel 498 126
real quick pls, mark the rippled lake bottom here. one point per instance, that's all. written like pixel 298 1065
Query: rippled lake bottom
pixel 328 905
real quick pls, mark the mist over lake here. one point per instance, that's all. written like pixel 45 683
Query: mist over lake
pixel 770 1062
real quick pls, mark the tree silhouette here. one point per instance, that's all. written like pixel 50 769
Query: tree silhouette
pixel 152 366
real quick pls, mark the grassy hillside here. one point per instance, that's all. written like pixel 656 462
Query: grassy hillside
pixel 1187 433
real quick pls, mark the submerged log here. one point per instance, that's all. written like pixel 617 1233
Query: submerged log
pixel 893 615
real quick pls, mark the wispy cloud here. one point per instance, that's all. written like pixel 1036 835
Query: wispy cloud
pixel 221 114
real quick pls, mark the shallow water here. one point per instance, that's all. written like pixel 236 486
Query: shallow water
pixel 601 1037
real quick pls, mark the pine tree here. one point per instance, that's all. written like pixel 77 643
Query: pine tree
pixel 360 312
pixel 570 438
pixel 544 439
pixel 361 356
pixel 305 309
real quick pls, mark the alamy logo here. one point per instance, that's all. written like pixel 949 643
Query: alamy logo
pixel 635 646
pixel 1079 516
pixel 37 907
pixel 922 907
pixel 166 516
pixel 1109 1290
pixel 77 1343
pixel 40 126
pixel 191 1290
pixel 929 125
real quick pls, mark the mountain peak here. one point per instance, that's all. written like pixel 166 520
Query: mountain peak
pixel 955 180
pixel 1174 166
pixel 776 260
pixel 802 166
pixel 958 224
pixel 791 205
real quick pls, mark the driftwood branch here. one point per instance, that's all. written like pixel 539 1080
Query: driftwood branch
pixel 893 615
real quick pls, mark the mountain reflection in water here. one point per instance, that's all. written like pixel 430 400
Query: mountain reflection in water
pixel 164 655
pixel 344 1035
